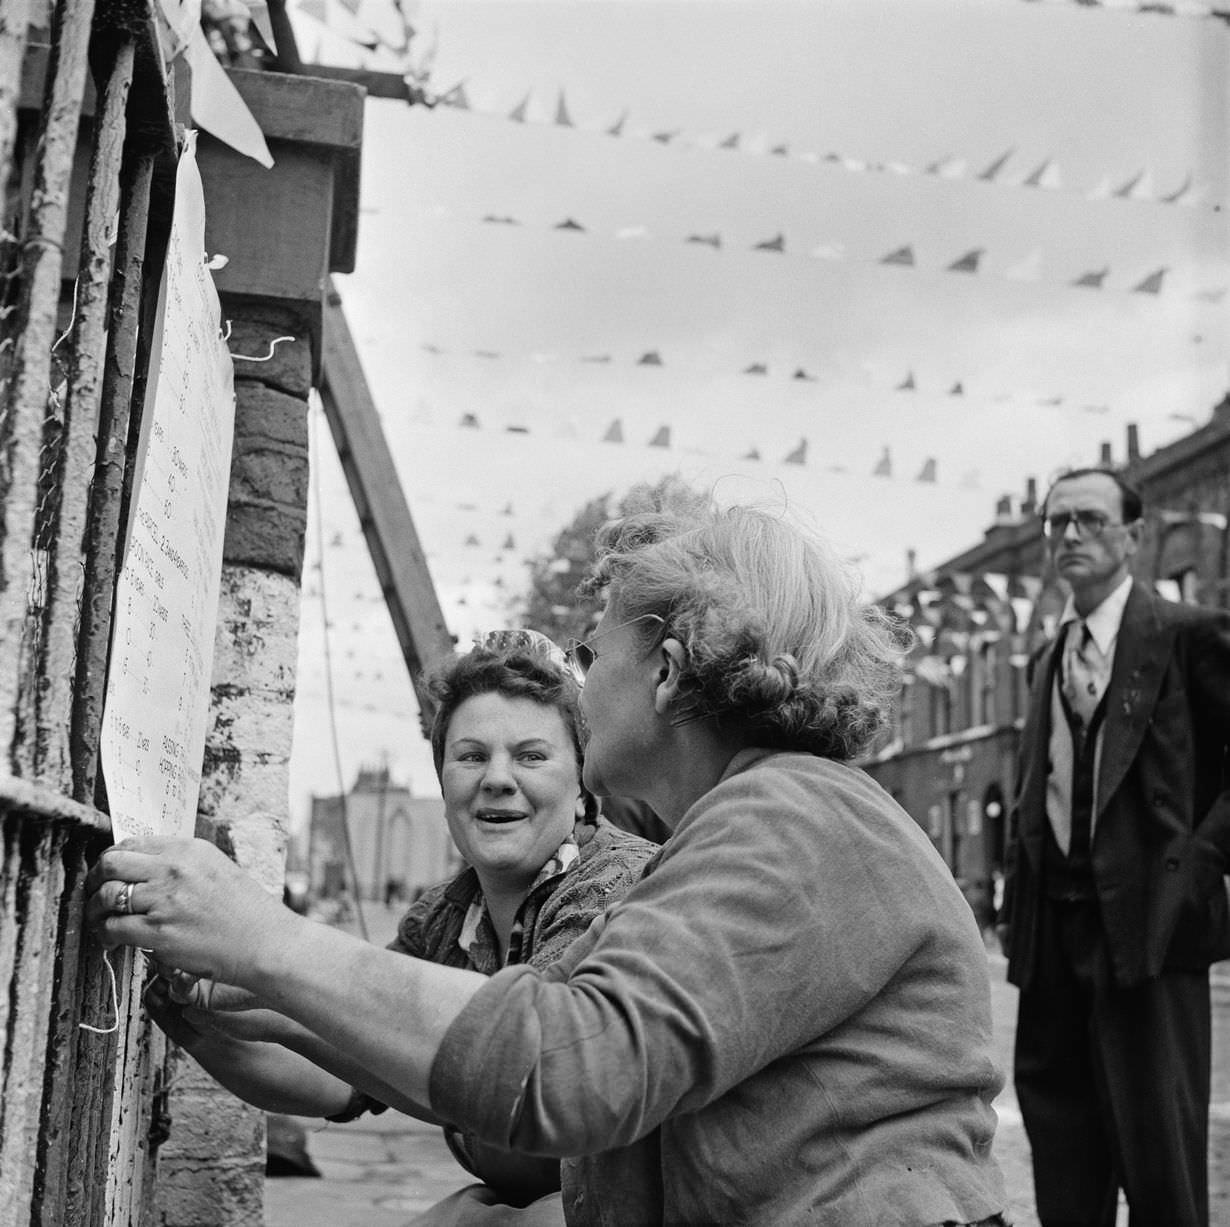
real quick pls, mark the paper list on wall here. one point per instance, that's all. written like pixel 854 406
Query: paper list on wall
pixel 157 700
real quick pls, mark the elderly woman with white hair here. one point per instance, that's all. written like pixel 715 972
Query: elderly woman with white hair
pixel 786 1020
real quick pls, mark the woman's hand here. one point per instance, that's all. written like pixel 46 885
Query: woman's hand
pixel 187 904
pixel 266 1026
pixel 264 1074
pixel 170 1016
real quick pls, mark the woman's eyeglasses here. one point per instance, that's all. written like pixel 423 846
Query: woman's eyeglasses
pixel 581 653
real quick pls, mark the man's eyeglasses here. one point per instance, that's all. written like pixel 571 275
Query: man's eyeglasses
pixel 581 653
pixel 1089 524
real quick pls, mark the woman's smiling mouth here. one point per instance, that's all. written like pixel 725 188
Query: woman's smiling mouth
pixel 499 815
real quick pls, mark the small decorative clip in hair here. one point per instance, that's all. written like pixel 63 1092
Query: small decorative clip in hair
pixel 525 640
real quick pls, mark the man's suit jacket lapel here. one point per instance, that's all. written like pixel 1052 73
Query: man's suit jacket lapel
pixel 1141 652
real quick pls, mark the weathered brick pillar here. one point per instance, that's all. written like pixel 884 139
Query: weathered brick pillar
pixel 282 231
pixel 212 1167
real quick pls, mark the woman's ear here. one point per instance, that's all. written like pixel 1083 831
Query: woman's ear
pixel 671 682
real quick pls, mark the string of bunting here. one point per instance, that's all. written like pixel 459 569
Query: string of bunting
pixel 662 437
pixel 359 23
pixel 1158 8
pixel 905 382
pixel 1001 171
pixel 968 263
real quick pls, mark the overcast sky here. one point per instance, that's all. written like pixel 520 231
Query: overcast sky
pixel 1031 144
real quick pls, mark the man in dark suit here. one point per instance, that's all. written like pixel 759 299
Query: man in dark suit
pixel 1115 903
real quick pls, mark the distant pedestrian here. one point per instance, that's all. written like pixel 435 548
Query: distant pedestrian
pixel 1115 904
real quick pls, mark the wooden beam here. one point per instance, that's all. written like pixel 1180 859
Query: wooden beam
pixel 383 512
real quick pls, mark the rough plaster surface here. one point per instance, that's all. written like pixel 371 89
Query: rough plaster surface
pixel 211 1169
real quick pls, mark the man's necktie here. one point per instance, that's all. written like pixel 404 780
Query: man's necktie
pixel 1083 680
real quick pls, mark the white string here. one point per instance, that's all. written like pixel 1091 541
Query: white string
pixel 115 1002
pixel 272 346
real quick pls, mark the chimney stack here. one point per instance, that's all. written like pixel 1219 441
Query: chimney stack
pixel 911 563
pixel 1133 443
pixel 1030 503
pixel 1003 510
pixel 1104 459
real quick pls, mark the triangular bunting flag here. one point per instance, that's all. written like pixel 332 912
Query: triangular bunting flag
pixel 1093 279
pixel 652 358
pixel 509 543
pixel 617 128
pixel 709 240
pixel 562 118
pixel 1029 269
pixel 752 453
pixel 1179 192
pixel 829 251
pixel 928 470
pixel 455 97
pixel 472 540
pixel 903 255
pixel 517 430
pixel 774 244
pixel 1046 176
pixel 1138 187
pixel 614 432
pixel 665 138
pixel 469 420
pixel 884 466
pixel 508 509
pixel 662 438
pixel 799 455
pixel 956 389
pixel 501 221
pixel 968 263
pixel 907 384
pixel 517 114
pixel 1152 284
pixel 569 224
pixel 757 368
pixel 947 168
pixel 1101 191
pixel 802 374
pixel 731 142
pixel 992 171
pixel 781 151
pixel 431 349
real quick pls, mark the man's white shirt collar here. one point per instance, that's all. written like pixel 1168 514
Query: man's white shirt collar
pixel 1105 620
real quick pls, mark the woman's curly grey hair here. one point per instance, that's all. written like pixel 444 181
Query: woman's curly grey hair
pixel 778 639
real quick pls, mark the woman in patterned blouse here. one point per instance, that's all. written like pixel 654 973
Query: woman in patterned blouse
pixel 540 865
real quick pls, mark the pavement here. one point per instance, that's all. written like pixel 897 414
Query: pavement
pixel 382 1171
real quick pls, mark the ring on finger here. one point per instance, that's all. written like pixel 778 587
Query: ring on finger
pixel 123 901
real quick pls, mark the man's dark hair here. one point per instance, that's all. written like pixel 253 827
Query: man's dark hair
pixel 1133 506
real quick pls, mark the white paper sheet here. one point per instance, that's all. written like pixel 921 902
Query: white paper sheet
pixel 157 701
